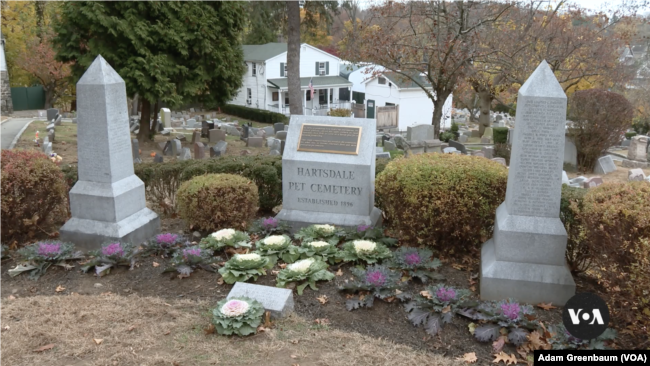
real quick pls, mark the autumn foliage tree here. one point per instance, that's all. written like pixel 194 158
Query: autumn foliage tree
pixel 599 118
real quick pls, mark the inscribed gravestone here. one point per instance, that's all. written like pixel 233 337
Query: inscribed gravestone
pixel 199 150
pixel 419 133
pixel 636 175
pixel 51 114
pixel 255 142
pixel 108 200
pixel 158 158
pixel 279 301
pixel 217 135
pixel 176 147
pixel 328 187
pixel 186 154
pixel 637 149
pixel 460 147
pixel 278 127
pixel 166 117
pixel 196 136
pixel 525 259
pixel 605 165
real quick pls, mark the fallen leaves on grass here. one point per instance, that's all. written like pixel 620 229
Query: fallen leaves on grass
pixel 220 281
pixel 426 294
pixel 339 272
pixel 497 345
pixel 155 264
pixel 131 328
pixel 294 356
pixel 98 341
pixel 59 288
pixel 283 265
pixel 267 320
pixel 167 332
pixel 471 327
pixel 547 307
pixel 322 299
pixel 507 359
pixel 11 297
pixel 6 327
pixel 210 329
pixel 44 348
pixel 322 321
pixel 275 273
pixel 468 357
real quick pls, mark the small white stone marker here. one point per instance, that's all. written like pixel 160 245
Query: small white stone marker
pixel 279 301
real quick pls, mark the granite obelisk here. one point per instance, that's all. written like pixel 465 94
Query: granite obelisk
pixel 525 259
pixel 108 201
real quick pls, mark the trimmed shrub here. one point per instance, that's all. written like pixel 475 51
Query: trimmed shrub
pixel 446 136
pixel 254 114
pixel 500 135
pixel 578 255
pixel 629 135
pixel 454 130
pixel 599 119
pixel 443 200
pixel 340 112
pixel 163 180
pixel 34 194
pixel 213 201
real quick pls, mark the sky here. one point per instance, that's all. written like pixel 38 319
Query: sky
pixel 598 4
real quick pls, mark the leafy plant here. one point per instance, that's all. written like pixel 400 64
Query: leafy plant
pixel 237 315
pixel 242 267
pixel 375 281
pixel 328 233
pixel 109 256
pixel 367 232
pixel 308 270
pixel 278 246
pixel 446 136
pixel 516 320
pixel 269 226
pixel 38 257
pixel 562 339
pixel 417 263
pixel 163 244
pixel 436 306
pixel 186 260
pixel 225 238
pixel 319 249
pixel 363 250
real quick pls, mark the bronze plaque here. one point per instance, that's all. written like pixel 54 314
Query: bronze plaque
pixel 329 139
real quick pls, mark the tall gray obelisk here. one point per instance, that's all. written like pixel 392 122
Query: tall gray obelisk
pixel 108 201
pixel 525 259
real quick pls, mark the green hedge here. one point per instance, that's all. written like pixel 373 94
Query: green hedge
pixel 629 135
pixel 254 114
pixel 500 135
pixel 163 180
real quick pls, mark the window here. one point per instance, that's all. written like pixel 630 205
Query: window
pixel 285 70
pixel 390 104
pixel 254 69
pixel 331 95
pixel 381 80
pixel 286 99
pixel 249 93
pixel 276 96
pixel 308 95
pixel 321 68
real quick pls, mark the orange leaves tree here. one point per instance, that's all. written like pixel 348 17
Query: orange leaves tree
pixel 430 42
pixel 39 61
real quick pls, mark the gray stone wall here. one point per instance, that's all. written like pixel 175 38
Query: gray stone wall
pixel 7 104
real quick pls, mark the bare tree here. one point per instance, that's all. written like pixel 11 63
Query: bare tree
pixel 293 57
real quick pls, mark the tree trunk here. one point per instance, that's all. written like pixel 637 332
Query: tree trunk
pixel 436 120
pixel 155 118
pixel 49 98
pixel 293 57
pixel 485 101
pixel 143 135
pixel 39 9
pixel 134 107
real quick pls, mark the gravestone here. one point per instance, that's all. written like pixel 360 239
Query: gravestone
pixel 525 259
pixel 281 135
pixel 186 154
pixel 135 149
pixel 167 150
pixel 284 142
pixel 275 144
pixel 501 161
pixel 50 127
pixel 51 114
pixel 277 301
pixel 244 132
pixel 47 148
pixel 462 138
pixel 383 155
pixel 380 149
pixel 274 152
pixel 176 147
pixel 460 147
pixel 415 147
pixel 108 201
pixel 51 135
pixel 205 129
pixel 166 117
pixel 58 119
pixel 199 150
pixel 419 133
pixel 475 133
pixel 255 142
pixel 486 140
pixel 221 147
pixel 270 131
pixel 638 149
pixel 196 137
pixel 449 150
pixel 389 145
pixel 488 133
pixel 181 138
pixel 488 151
pixel 286 127
pixel 431 146
pixel 215 152
pixel 478 153
pixel 592 182
pixel 635 175
pixel 278 127
pixel 191 123
pixel 217 135
pixel 604 165
pixel 328 172
pixel 565 178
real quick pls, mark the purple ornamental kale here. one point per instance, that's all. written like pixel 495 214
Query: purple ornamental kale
pixel 376 278
pixel 48 250
pixel 362 228
pixel 445 294
pixel 113 249
pixel 191 252
pixel 270 223
pixel 167 238
pixel 412 259
pixel 511 310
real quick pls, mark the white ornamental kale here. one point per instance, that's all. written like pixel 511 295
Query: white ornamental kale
pixel 319 249
pixel 318 244
pixel 225 238
pixel 277 241
pixel 278 246
pixel 237 315
pixel 325 229
pixel 234 308
pixel 364 246
pixel 363 250
pixel 223 234
pixel 301 265
pixel 242 267
pixel 328 233
pixel 247 257
pixel 309 270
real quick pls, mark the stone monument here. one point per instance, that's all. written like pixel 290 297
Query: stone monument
pixel 328 170
pixel 638 149
pixel 278 301
pixel 166 117
pixel 108 201
pixel 525 259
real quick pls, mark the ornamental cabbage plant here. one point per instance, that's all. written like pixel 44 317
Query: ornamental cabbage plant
pixel 437 305
pixel 367 232
pixel 186 260
pixel 375 281
pixel 269 226
pixel 38 257
pixel 307 271
pixel 242 267
pixel 163 244
pixel 363 250
pixel 278 246
pixel 109 256
pixel 328 233
pixel 237 315
pixel 319 249
pixel 515 319
pixel 562 339
pixel 416 263
pixel 225 238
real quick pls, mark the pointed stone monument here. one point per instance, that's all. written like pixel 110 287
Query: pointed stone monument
pixel 108 201
pixel 525 259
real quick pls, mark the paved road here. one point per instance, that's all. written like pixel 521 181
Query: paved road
pixel 11 128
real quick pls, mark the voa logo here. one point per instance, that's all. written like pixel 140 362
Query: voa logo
pixel 591 317
pixel 585 316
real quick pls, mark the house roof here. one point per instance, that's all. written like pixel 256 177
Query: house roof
pixel 348 68
pixel 319 81
pixel 263 52
pixel 403 82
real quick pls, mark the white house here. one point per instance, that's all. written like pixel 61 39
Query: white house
pixel 265 80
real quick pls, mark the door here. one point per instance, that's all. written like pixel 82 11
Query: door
pixel 370 109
